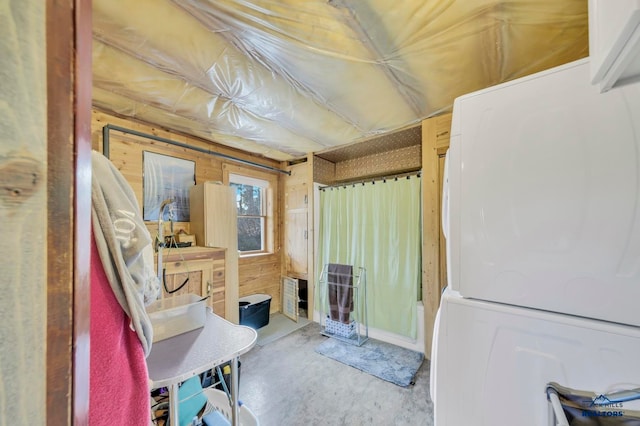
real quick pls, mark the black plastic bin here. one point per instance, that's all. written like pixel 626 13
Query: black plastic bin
pixel 254 310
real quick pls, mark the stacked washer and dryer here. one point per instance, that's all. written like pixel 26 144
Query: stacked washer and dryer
pixel 540 321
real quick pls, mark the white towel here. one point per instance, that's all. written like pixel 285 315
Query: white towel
pixel 124 244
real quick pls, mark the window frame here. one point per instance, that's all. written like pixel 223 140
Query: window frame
pixel 235 179
pixel 233 173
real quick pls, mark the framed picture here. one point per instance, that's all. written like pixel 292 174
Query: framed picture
pixel 167 178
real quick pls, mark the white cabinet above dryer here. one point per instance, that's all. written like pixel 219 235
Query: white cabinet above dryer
pixel 614 42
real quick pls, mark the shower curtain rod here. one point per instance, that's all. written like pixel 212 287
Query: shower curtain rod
pixel 108 127
pixel 373 180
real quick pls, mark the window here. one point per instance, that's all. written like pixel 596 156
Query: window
pixel 250 202
pixel 254 192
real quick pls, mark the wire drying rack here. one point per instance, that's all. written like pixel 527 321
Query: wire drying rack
pixel 343 303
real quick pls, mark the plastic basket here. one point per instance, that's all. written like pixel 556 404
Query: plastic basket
pixel 219 401
pixel 176 315
pixel 340 329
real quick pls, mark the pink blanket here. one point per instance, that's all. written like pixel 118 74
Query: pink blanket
pixel 119 382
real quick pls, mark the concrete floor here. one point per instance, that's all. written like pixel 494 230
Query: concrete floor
pixel 286 383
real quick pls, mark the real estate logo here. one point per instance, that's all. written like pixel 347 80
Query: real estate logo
pixel 603 406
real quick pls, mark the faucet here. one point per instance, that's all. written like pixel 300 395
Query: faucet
pixel 161 235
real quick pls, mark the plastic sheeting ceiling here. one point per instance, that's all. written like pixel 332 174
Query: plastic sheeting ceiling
pixel 285 78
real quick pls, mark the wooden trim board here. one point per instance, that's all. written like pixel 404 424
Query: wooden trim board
pixel 435 139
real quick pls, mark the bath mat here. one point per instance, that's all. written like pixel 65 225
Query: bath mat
pixel 279 326
pixel 383 360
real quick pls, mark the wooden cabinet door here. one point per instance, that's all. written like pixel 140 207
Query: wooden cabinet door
pixel 296 230
pixel 296 235
pixel 296 197
pixel 198 274
pixel 205 274
pixel 214 223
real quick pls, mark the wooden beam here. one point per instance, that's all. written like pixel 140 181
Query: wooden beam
pixel 68 210
pixel 82 210
pixel 311 238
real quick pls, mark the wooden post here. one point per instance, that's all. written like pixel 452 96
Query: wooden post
pixel 435 141
pixel 68 211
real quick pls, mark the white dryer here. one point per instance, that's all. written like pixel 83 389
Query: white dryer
pixel 544 195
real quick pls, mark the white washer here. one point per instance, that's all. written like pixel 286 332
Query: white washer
pixel 492 362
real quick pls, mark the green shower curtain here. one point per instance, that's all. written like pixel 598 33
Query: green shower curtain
pixel 377 226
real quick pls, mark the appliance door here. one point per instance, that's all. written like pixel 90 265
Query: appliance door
pixel 544 195
pixel 493 362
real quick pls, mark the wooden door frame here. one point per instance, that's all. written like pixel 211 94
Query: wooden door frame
pixel 68 37
pixel 435 141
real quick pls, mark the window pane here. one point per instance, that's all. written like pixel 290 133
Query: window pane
pixel 248 199
pixel 250 233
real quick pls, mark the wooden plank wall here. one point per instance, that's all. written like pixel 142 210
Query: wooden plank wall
pixel 257 274
pixel 23 211
pixel 261 274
